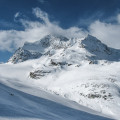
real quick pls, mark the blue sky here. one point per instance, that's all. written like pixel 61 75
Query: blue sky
pixel 18 18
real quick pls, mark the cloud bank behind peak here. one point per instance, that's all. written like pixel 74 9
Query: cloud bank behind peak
pixel 35 30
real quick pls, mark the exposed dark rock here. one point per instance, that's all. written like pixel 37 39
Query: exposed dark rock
pixel 38 74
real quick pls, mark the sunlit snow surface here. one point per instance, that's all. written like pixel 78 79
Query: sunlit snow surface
pixel 68 75
pixel 23 98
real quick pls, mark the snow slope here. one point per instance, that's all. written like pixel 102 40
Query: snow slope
pixel 82 70
pixel 23 99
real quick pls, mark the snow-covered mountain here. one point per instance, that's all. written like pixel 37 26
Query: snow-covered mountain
pixel 83 71
pixel 39 48
pixel 89 47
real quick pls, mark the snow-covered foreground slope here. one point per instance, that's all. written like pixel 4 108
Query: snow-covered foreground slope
pixel 82 70
pixel 73 84
pixel 22 99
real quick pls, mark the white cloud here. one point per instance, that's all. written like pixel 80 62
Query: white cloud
pixel 118 18
pixel 16 15
pixel 42 15
pixel 12 39
pixel 54 28
pixel 108 33
pixel 35 30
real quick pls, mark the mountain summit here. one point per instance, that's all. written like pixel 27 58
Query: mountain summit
pixel 93 48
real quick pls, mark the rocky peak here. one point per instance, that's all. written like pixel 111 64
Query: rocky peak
pixel 51 44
